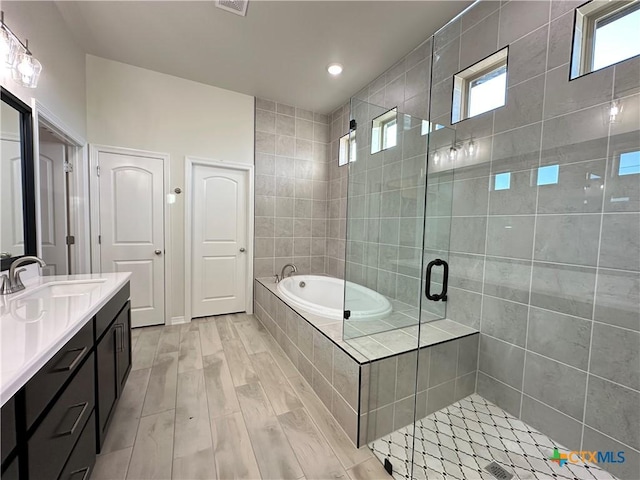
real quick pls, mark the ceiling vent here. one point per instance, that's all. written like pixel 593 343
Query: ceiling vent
pixel 239 7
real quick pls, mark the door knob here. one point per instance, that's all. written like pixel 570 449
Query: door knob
pixel 242 249
pixel 158 252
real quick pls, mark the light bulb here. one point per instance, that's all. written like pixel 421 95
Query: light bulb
pixel 334 69
pixel 453 153
pixel 25 67
pixel 26 70
pixel 471 148
pixel 8 49
pixel 613 111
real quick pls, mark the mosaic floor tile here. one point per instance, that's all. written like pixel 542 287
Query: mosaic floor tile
pixel 459 441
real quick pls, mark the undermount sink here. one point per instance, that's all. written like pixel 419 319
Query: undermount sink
pixel 64 289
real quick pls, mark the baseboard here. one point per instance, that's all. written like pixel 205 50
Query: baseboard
pixel 178 320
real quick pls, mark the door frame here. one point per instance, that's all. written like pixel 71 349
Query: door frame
pixel 94 192
pixel 79 208
pixel 189 164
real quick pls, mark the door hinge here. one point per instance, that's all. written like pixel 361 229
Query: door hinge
pixel 68 167
pixel 99 239
pixel 353 124
pixel 98 170
pixel 347 314
pixel 71 240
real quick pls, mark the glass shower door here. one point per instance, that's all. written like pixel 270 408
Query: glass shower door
pixel 398 225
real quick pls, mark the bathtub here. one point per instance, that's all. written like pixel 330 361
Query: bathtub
pixel 325 296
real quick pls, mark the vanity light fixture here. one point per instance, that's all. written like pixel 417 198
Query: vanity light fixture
pixel 334 69
pixel 16 56
pixel 8 46
pixel 453 153
pixel 472 148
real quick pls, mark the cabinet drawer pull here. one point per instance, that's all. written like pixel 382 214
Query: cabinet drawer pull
pixel 69 431
pixel 73 363
pixel 82 474
pixel 119 337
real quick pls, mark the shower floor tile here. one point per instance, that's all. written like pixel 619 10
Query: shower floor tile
pixel 459 441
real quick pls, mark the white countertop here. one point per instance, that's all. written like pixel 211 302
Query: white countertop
pixel 36 323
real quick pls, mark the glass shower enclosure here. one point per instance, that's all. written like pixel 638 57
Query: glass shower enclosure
pixel 398 226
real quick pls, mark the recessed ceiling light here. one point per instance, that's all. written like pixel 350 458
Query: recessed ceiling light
pixel 334 68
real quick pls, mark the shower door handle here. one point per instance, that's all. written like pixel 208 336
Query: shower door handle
pixel 445 280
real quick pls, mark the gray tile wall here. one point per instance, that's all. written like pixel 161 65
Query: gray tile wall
pixel 446 373
pixel 337 195
pixel 549 273
pixel 291 188
pixel 376 259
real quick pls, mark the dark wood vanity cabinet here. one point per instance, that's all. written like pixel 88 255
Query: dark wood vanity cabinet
pixel 55 425
pixel 113 364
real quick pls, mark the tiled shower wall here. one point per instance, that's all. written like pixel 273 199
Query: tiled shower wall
pixel 292 150
pixel 337 200
pixel 547 270
pixel 406 86
pixel 550 274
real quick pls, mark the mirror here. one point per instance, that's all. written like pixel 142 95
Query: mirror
pixel 17 181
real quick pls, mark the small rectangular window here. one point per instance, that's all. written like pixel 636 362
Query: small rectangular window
pixel 347 148
pixel 502 181
pixel 605 33
pixel 481 87
pixel 384 131
pixel 548 175
pixel 629 163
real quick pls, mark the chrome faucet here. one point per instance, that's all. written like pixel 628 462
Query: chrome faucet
pixel 294 269
pixel 13 282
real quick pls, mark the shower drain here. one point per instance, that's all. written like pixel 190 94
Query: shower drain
pixel 497 471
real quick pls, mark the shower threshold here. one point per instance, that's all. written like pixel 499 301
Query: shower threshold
pixel 461 440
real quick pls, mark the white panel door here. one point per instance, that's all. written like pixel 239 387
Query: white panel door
pixel 11 225
pixel 53 208
pixel 132 229
pixel 219 240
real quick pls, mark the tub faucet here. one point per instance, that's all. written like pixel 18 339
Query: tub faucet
pixel 13 283
pixel 294 269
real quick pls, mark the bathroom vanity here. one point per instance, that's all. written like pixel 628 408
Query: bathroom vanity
pixel 64 359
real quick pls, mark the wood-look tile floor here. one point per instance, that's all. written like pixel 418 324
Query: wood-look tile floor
pixel 218 399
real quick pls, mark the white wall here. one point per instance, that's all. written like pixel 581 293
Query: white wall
pixel 137 108
pixel 62 83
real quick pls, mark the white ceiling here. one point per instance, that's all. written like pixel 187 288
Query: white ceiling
pixel 279 51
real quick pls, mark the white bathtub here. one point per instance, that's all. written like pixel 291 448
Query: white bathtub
pixel 325 296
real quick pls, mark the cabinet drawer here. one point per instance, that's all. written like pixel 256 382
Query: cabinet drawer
pixel 83 458
pixel 45 384
pixel 110 311
pixel 52 442
pixel 8 425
